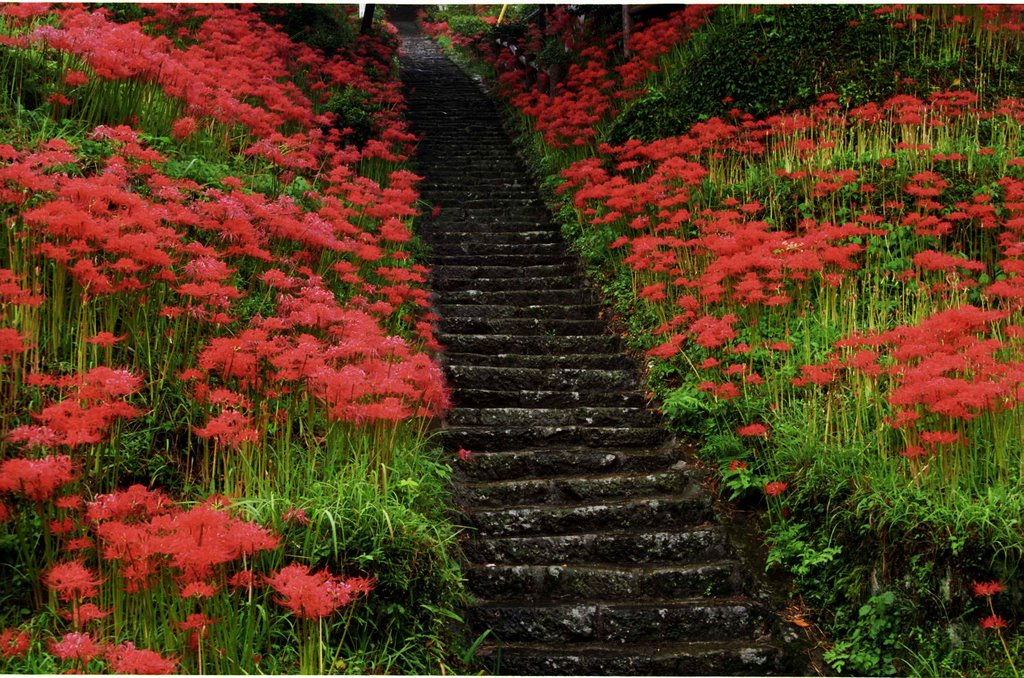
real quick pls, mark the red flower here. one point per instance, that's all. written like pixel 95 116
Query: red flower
pixel 753 430
pixel 78 646
pixel 125 658
pixel 314 595
pixel 993 622
pixel 775 488
pixel 465 455
pixel 37 479
pixel 72 581
pixel 13 643
pixel 986 588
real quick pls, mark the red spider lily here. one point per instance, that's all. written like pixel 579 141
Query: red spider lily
pixel 77 646
pixel 753 430
pixel 775 488
pixel 37 479
pixel 80 615
pixel 987 589
pixel 126 658
pixel 464 455
pixel 993 621
pixel 72 581
pixel 14 643
pixel 316 595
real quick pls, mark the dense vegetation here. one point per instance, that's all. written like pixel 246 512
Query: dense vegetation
pixel 215 356
pixel 809 219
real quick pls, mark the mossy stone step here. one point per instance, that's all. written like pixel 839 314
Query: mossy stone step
pixel 571 489
pixel 541 325
pixel 564 462
pixel 709 658
pixel 675 620
pixel 563 416
pixel 464 396
pixel 605 581
pixel 604 361
pixel 696 544
pixel 691 506
pixel 496 344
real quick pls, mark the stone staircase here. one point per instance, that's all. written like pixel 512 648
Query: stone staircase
pixel 593 548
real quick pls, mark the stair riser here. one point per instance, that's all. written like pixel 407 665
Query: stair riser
pixel 462 248
pixel 499 439
pixel 663 547
pixel 442 271
pixel 596 361
pixel 582 623
pixel 585 416
pixel 566 490
pixel 523 326
pixel 559 582
pixel 646 514
pixel 564 345
pixel 491 285
pixel 519 398
pixel 542 312
pixel 554 463
pixel 540 380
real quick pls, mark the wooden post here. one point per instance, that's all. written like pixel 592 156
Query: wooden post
pixel 364 28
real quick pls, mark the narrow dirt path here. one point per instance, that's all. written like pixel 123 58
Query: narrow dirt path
pixel 594 548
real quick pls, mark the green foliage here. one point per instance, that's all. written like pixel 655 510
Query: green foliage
pixel 783 57
pixel 320 26
pixel 354 111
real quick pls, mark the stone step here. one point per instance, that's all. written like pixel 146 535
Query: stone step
pixel 515 437
pixel 490 285
pixel 477 248
pixel 499 259
pixel 691 545
pixel 452 195
pixel 710 658
pixel 479 271
pixel 492 344
pixel 609 361
pixel 527 379
pixel 574 416
pixel 477 239
pixel 499 583
pixel 545 326
pixel 687 620
pixel 560 297
pixel 455 220
pixel 528 465
pixel 464 396
pixel 568 489
pixel 504 311
pixel 692 506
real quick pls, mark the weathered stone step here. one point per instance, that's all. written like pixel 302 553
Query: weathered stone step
pixel 514 437
pixel 456 219
pixel 490 285
pixel 450 195
pixel 696 544
pixel 483 325
pixel 569 416
pixel 480 397
pixel 493 344
pixel 526 379
pixel 449 248
pixel 730 658
pixel 557 297
pixel 669 621
pixel 540 271
pixel 500 259
pixel 565 462
pixel 692 506
pixel 476 239
pixel 605 581
pixel 567 489
pixel 607 361
pixel 495 312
